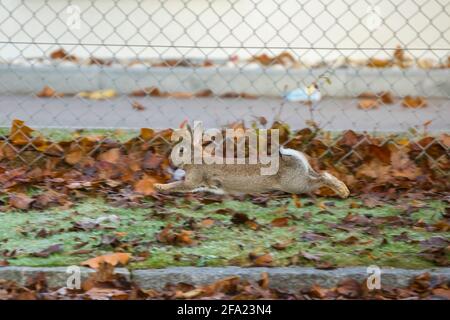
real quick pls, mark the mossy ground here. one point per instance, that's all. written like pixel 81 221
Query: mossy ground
pixel 222 243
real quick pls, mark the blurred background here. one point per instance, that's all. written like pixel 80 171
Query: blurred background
pixel 380 66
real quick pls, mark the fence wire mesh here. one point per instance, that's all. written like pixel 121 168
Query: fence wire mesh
pixel 380 66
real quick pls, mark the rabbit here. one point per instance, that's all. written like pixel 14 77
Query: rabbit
pixel 295 175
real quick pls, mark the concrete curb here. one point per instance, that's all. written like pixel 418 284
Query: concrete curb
pixel 56 276
pixel 282 278
pixel 345 82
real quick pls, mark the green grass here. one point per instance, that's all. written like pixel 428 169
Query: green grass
pixel 224 243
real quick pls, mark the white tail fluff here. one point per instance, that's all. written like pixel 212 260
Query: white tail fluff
pixel 298 155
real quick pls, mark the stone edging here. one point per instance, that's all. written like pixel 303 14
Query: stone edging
pixel 283 278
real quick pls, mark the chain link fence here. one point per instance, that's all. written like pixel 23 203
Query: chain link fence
pixel 379 66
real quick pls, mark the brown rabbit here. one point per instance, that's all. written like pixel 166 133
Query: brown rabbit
pixel 295 175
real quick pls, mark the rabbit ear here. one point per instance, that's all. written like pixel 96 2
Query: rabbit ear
pixel 188 128
pixel 185 125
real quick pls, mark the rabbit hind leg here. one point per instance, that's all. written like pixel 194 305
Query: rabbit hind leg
pixel 213 185
pixel 335 184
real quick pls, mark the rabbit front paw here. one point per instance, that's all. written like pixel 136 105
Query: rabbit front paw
pixel 159 187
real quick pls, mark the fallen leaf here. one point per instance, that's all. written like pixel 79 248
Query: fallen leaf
pixel 114 259
pixel 386 97
pixel 204 93
pixel 74 156
pixel 282 245
pixel 264 281
pixel 4 263
pixel 349 288
pixel 172 236
pixel 48 251
pixel 208 222
pixel 151 91
pixel 351 240
pixel 145 185
pixel 280 222
pixel 111 156
pixel 312 236
pixel 20 201
pixel 98 95
pixel 63 55
pixel 48 92
pixel 310 256
pixel 263 260
pixel 181 95
pixel 137 106
pixel 379 63
pixel 442 292
pixel 20 134
pixel 297 202
pixel 368 104
pixel 414 102
pixel 318 292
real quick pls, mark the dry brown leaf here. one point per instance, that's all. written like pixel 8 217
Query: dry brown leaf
pixel 282 245
pixel 190 294
pixel 111 156
pixel 229 95
pixel 263 260
pixel 374 169
pixel 147 134
pixel 74 156
pixel 368 104
pixel 20 201
pixel 442 292
pixel 114 259
pixel 48 92
pixel 310 256
pixel 62 54
pixel 208 222
pixel 137 106
pixel 175 237
pixel 145 185
pixel 297 202
pixel 349 288
pixel 204 93
pixel 264 281
pixel 386 97
pixel 181 95
pixel 151 91
pixel 442 225
pixel 98 94
pixel 403 166
pixel 280 222
pixel 426 63
pixel 97 293
pixel 20 134
pixel 414 102
pixel 379 63
pixel 245 95
pixel 318 292
pixel 152 160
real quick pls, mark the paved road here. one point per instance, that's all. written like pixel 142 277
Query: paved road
pixel 331 114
